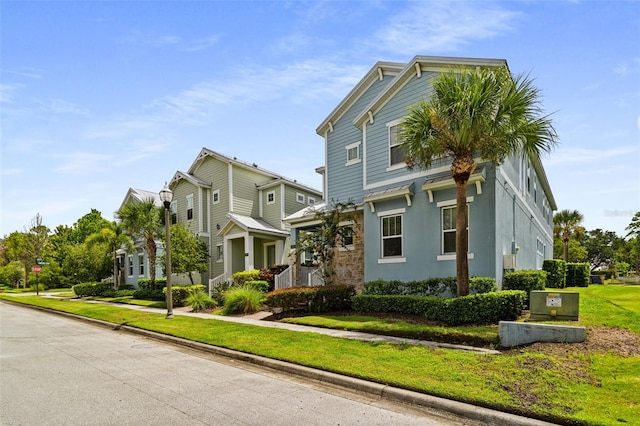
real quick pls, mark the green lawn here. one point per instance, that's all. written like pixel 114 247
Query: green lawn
pixel 563 383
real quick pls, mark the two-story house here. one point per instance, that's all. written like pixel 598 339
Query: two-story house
pixel 405 219
pixel 134 264
pixel 237 209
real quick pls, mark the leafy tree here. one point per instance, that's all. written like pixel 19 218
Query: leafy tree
pixel 566 224
pixel 113 237
pixel 89 224
pixel 87 263
pixel 327 235
pixel 601 247
pixel 577 253
pixel 634 242
pixel 475 111
pixel 142 222
pixel 188 253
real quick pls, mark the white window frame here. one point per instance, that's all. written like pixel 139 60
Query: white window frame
pixel 173 212
pixel 300 198
pixel 219 253
pixel 350 149
pixel 271 194
pixel 130 266
pixel 347 224
pixel 385 215
pixel 189 207
pixel 393 143
pixel 541 249
pixel 140 265
pixel 311 201
pixel 448 204
pixel 215 196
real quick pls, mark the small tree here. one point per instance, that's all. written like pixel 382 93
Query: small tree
pixel 188 253
pixel 327 235
pixel 566 225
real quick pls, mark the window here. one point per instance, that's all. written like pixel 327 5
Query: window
pixel 353 153
pixel 141 264
pixel 173 210
pixel 216 196
pixel 391 235
pixel 190 207
pixel 347 236
pixel 535 192
pixel 396 152
pixel 540 253
pixel 449 229
pixel 130 261
pixel 311 201
pixel 219 253
pixel 271 197
pixel 300 197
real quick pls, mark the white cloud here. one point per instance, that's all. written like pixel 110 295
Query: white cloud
pixel 10 171
pixel 201 44
pixel 84 163
pixel 7 92
pixel 442 26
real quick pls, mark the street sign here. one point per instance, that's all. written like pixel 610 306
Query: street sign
pixel 39 261
pixel 36 269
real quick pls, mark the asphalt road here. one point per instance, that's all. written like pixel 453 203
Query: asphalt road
pixel 58 371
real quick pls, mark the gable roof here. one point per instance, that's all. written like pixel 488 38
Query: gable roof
pixel 270 177
pixel 250 224
pixel 375 73
pixel 140 196
pixel 414 69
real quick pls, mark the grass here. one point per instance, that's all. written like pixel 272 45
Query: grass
pixel 563 385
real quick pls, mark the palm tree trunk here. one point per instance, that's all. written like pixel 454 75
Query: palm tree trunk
pixel 566 249
pixel 462 240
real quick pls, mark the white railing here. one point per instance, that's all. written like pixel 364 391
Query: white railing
pixel 284 279
pixel 217 280
pixel 315 278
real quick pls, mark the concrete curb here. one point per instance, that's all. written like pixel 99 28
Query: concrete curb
pixel 469 411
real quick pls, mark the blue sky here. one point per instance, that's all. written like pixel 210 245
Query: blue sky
pixel 97 97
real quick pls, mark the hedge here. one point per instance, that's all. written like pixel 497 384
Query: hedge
pixel 486 308
pixel 578 274
pixel 239 278
pixel 90 289
pixel 312 299
pixel 525 280
pixel 556 272
pixel 430 287
pixel 145 283
pixel 179 293
pixel 260 285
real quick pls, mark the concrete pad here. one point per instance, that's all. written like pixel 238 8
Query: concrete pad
pixel 521 333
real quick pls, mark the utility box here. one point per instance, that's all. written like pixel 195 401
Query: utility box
pixel 554 305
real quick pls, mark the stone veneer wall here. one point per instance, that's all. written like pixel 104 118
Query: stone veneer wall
pixel 349 263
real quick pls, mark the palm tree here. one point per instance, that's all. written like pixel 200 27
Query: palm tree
pixel 566 223
pixel 475 112
pixel 114 237
pixel 142 222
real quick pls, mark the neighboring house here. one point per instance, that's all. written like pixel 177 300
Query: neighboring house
pixel 134 265
pixel 405 218
pixel 237 209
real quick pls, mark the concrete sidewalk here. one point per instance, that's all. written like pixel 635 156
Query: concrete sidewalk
pixel 474 413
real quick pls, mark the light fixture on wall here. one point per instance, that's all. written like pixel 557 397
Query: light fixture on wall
pixel 166 196
pixel 218 226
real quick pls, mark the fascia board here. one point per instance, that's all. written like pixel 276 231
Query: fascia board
pixel 426 63
pixel 388 68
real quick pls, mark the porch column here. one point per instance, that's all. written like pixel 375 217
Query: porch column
pixel 280 251
pixel 227 256
pixel 248 252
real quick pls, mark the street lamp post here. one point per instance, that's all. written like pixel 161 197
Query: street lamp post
pixel 166 196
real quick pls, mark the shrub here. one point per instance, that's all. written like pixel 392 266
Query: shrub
pixel 578 274
pixel 312 299
pixel 289 298
pixel 145 283
pixel 90 289
pixel 260 285
pixel 482 285
pixel 200 301
pixel 428 287
pixel 242 300
pixel 525 280
pixel 485 308
pixel 149 294
pixel 239 278
pixel 556 272
pixel 180 293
